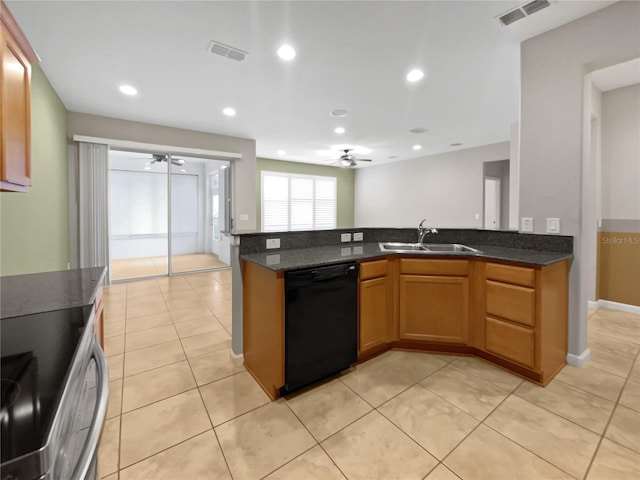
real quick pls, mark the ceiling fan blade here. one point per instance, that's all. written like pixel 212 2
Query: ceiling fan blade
pixel 363 160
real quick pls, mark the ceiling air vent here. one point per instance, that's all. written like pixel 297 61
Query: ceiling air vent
pixel 522 11
pixel 514 16
pixel 227 51
pixel 535 6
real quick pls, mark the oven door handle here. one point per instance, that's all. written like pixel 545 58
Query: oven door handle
pixel 91 444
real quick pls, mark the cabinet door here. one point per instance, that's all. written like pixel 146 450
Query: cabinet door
pixel 375 314
pixel 15 122
pixel 434 308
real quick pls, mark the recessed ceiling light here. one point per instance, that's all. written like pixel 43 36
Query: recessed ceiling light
pixel 339 130
pixel 418 130
pixel 415 75
pixel 147 168
pixel 229 112
pixel 338 113
pixel 455 144
pixel 417 147
pixel 128 90
pixel 286 52
pixel 281 152
pixel 183 170
pixel 393 156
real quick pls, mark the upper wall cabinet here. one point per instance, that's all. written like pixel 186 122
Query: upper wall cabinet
pixel 15 97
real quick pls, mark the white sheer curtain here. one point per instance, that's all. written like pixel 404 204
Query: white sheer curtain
pixel 93 225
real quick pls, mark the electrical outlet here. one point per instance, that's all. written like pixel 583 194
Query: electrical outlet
pixel 244 217
pixel 345 237
pixel 526 224
pixel 553 225
pixel 273 243
pixel 477 216
pixel 358 237
pixel 273 259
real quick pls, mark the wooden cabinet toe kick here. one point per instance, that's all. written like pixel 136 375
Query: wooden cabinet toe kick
pixel 453 349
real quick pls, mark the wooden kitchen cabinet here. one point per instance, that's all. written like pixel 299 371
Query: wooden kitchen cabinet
pixel 525 316
pixel 434 300
pixel 376 301
pixel 15 114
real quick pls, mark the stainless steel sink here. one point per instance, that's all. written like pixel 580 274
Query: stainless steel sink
pixel 449 248
pixel 401 247
pixel 426 248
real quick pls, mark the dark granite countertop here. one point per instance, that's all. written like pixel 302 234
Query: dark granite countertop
pixel 44 292
pixel 278 260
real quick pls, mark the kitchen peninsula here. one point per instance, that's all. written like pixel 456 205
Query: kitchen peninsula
pixel 506 304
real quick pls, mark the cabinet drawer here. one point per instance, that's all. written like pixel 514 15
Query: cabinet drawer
pixel 510 341
pixel 510 274
pixel 377 268
pixel 419 266
pixel 511 302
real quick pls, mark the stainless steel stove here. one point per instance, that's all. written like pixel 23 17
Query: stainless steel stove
pixel 54 392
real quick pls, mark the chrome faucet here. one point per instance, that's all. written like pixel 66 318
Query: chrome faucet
pixel 422 231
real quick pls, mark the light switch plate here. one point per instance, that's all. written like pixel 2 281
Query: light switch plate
pixel 273 243
pixel 358 237
pixel 345 237
pixel 553 225
pixel 526 224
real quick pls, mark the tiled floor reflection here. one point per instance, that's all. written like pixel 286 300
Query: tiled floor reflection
pixel 181 409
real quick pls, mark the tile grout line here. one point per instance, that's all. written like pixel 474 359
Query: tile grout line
pixel 613 411
pixel 318 443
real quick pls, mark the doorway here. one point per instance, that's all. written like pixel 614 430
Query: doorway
pixel 496 195
pixel 159 211
pixel 491 203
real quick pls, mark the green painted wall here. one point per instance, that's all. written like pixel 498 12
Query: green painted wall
pixel 34 226
pixel 345 185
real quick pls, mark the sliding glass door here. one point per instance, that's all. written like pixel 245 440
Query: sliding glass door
pixel 166 213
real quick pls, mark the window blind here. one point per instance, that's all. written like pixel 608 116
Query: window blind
pixel 297 202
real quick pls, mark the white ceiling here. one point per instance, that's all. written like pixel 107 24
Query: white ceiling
pixel 350 55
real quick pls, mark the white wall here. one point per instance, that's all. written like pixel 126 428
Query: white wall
pixel 592 182
pixel 552 127
pixel 446 189
pixel 514 178
pixel 621 153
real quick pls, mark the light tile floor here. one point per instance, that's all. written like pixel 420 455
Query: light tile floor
pixel 180 409
pixel 126 268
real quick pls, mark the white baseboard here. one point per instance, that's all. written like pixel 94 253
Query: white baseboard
pixel 579 360
pixel 621 307
pixel 236 358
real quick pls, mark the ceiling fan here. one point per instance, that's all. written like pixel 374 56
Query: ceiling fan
pixel 163 158
pixel 349 161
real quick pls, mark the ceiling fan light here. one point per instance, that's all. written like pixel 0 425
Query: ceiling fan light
pixel 346 162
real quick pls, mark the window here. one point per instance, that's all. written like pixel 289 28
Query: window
pixel 297 202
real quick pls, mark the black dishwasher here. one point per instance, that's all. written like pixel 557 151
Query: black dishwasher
pixel 321 323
